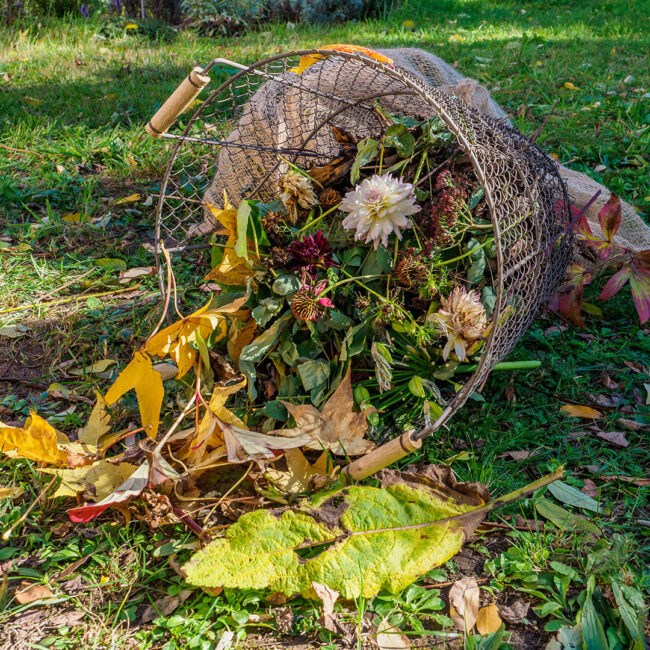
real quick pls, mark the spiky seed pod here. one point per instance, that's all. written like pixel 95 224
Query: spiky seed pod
pixel 307 304
pixel 296 193
pixel 272 223
pixel 278 258
pixel 361 301
pixel 329 197
pixel 411 271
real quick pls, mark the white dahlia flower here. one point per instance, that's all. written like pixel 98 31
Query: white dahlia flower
pixel 377 207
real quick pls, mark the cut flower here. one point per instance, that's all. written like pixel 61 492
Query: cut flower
pixel 377 207
pixel 311 253
pixel 462 319
pixel 297 192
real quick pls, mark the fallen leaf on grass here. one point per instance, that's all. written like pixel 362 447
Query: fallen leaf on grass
pixel 131 198
pixel 365 545
pixel 639 482
pixel 336 427
pixel 136 272
pixel 10 492
pixel 488 620
pixel 98 424
pixel 132 486
pixel 572 496
pixel 564 519
pixel 13 331
pixel 300 475
pixel 515 612
pixel 140 375
pixel 589 488
pixel 94 369
pixel 522 454
pixel 579 411
pixel 631 425
pixel 390 638
pixel 28 592
pixel 463 603
pixel 616 438
pixel 97 480
pixel 38 441
pixel 283 619
pixel 179 339
pixel 165 606
pixel 328 597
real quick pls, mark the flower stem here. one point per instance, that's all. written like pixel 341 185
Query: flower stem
pixel 311 223
pixel 489 240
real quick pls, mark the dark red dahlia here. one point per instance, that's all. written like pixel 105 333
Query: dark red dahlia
pixel 311 253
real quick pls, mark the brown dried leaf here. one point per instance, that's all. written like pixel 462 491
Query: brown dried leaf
pixel 520 454
pixel 607 382
pixel 488 620
pixel 283 619
pixel 337 427
pixel 464 601
pixel 589 488
pixel 631 425
pixel 28 592
pixel 390 638
pixel 165 606
pixel 515 612
pixel 328 597
pixel 616 438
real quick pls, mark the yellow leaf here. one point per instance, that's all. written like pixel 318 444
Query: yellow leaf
pixel 128 199
pixel 240 338
pixel 148 385
pixel 233 270
pixel 176 339
pixel 10 492
pixel 336 427
pixel 38 441
pixel 97 481
pixel 488 620
pixel 310 59
pixel 209 433
pixel 32 100
pixel 300 475
pixel 131 26
pixel 578 411
pixel 569 86
pixel 99 366
pixel 75 217
pixel 98 424
pixel 408 24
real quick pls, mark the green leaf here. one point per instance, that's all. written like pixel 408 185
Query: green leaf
pixel 367 149
pixel 489 299
pixel 476 197
pixel 477 257
pixel 266 310
pixel 354 541
pixel 416 387
pixel 313 373
pixel 384 259
pixel 112 264
pixel 573 497
pixel 255 230
pixel 564 519
pixel 241 243
pixel 286 284
pixel 633 619
pixel 338 320
pixel 276 410
pixel 593 634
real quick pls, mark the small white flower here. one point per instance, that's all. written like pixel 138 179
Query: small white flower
pixel 377 207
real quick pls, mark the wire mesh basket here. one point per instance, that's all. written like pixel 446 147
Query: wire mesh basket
pixel 280 111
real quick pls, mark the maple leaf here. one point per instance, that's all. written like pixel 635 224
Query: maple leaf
pixel 39 441
pixel 337 427
pixel 638 274
pixel 309 59
pixel 300 475
pixel 177 339
pixel 147 382
pixel 233 269
pixel 609 218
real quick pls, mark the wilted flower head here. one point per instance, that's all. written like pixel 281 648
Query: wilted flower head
pixel 306 304
pixel 297 192
pixel 311 253
pixel 462 319
pixel 377 207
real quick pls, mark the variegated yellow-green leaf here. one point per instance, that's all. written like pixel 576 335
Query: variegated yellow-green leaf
pixel 368 539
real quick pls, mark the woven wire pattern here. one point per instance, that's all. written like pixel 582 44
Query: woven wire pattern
pixel 269 116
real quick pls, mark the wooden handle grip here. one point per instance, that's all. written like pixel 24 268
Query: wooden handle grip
pixel 381 457
pixel 177 102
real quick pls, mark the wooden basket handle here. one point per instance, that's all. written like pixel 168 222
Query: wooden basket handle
pixel 381 457
pixel 177 102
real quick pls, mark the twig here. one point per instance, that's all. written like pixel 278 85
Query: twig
pixel 442 585
pixel 7 534
pixel 438 168
pixel 189 522
pixel 230 489
pixel 34 153
pixel 168 293
pixel 63 301
pixel 67 284
pixel 540 128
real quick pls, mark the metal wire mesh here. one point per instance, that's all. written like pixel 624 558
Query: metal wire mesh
pixel 268 115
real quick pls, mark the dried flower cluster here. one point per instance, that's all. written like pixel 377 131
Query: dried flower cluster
pixel 296 192
pixel 445 212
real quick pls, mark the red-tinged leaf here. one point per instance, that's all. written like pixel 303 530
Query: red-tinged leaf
pixel 583 230
pixel 615 284
pixel 130 488
pixel 640 286
pixel 610 217
pixel 568 301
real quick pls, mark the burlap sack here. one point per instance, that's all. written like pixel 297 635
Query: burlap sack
pixel 286 116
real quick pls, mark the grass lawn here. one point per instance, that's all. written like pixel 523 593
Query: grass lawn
pixel 74 98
